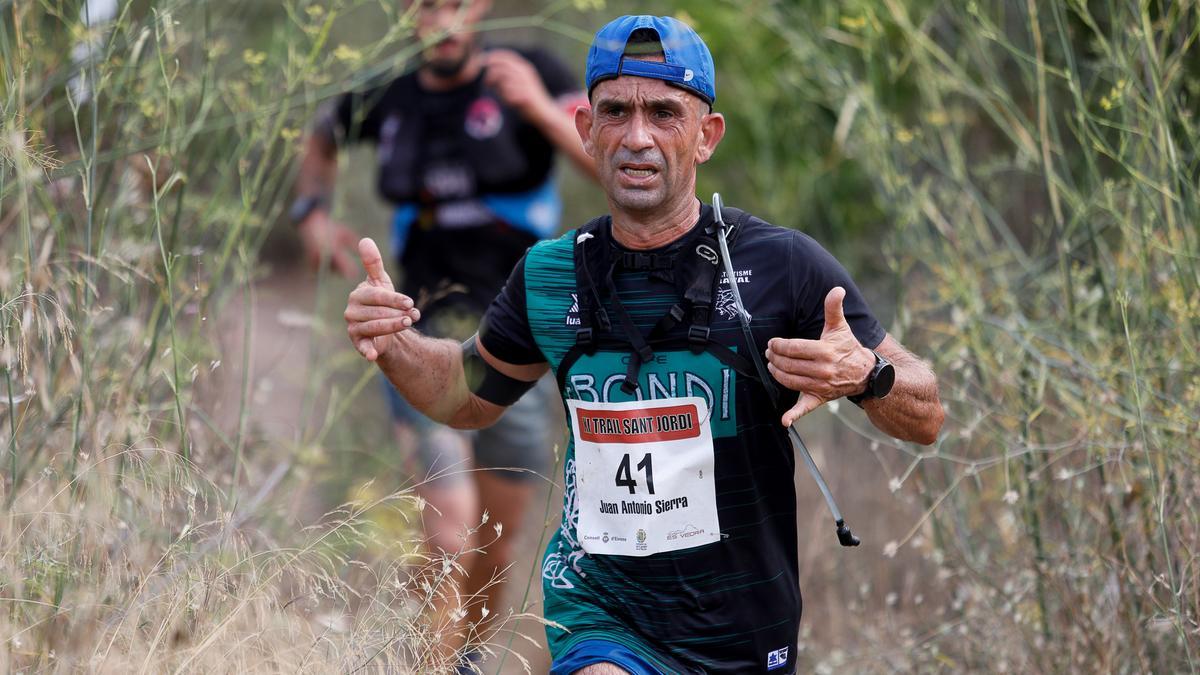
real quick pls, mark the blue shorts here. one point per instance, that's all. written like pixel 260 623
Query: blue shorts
pixel 593 651
pixel 517 446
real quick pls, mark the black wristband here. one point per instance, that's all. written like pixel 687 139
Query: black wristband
pixel 304 206
pixel 486 382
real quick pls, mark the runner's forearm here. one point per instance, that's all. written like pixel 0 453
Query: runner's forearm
pixel 912 411
pixel 428 373
pixel 318 167
pixel 559 127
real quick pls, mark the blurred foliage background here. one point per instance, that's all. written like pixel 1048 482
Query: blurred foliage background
pixel 1015 183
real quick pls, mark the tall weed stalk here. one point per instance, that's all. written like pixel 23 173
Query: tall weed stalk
pixel 144 157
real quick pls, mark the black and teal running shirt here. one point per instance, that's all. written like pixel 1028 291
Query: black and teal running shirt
pixel 732 605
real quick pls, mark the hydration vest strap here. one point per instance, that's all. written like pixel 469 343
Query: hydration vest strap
pixel 697 277
pixel 734 219
pixel 591 309
pixel 701 274
pixel 698 337
pixel 642 351
pixel 672 318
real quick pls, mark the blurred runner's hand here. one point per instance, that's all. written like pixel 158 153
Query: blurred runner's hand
pixel 325 238
pixel 375 312
pixel 517 82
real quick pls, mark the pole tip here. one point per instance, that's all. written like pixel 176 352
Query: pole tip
pixel 845 536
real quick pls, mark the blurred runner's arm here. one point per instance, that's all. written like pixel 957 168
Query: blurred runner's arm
pixel 558 125
pixel 318 164
pixel 517 82
pixel 428 372
pixel 321 236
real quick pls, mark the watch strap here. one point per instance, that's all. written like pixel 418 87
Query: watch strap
pixel 869 390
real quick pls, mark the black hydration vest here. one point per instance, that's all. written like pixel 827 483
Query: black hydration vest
pixel 696 272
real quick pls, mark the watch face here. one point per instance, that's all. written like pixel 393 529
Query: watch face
pixel 884 380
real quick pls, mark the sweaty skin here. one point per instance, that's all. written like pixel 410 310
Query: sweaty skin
pixel 647 138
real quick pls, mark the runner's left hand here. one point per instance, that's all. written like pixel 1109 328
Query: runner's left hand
pixel 821 370
pixel 517 82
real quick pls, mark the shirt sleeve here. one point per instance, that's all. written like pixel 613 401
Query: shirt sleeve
pixel 504 330
pixel 559 79
pixel 814 272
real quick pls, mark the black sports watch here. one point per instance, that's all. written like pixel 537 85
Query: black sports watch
pixel 303 206
pixel 879 382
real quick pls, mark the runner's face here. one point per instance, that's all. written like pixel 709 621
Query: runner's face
pixel 647 138
pixel 456 20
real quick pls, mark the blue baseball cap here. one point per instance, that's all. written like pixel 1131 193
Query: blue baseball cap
pixel 688 63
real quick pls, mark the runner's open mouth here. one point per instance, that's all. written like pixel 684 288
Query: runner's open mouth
pixel 638 170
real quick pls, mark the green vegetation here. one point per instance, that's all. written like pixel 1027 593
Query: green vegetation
pixel 1019 180
pixel 1036 165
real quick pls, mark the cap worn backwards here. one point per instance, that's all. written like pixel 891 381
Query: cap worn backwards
pixel 687 62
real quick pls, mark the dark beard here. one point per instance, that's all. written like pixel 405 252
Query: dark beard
pixel 449 69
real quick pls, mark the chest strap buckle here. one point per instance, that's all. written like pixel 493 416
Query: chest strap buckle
pixel 585 339
pixel 603 320
pixel 698 337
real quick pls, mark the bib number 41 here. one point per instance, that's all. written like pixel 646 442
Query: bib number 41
pixel 644 476
pixel 625 479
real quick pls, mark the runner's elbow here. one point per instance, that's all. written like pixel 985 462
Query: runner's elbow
pixel 474 413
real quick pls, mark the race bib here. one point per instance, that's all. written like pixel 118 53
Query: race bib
pixel 644 476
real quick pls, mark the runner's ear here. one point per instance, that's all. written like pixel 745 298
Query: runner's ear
pixel 583 126
pixel 712 130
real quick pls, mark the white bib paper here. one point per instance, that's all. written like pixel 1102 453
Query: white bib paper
pixel 644 476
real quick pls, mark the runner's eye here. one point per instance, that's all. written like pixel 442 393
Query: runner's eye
pixel 614 111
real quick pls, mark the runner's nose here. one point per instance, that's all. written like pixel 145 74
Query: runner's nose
pixel 637 135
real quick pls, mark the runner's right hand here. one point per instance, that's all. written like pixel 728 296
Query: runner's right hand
pixel 324 237
pixel 375 312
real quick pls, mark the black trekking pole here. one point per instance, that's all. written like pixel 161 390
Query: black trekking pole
pixel 845 536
